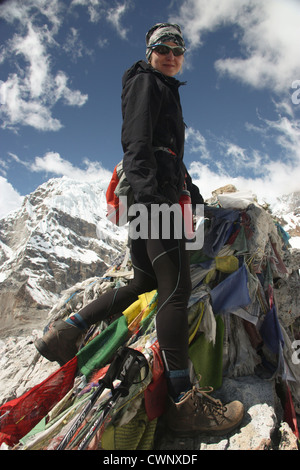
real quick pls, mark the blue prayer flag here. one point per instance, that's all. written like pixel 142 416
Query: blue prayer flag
pixel 231 293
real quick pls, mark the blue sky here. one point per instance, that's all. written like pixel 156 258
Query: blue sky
pixel 61 65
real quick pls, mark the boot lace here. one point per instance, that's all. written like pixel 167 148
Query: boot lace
pixel 208 405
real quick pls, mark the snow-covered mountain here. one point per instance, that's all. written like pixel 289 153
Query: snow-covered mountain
pixel 59 236
pixel 57 243
pixel 287 209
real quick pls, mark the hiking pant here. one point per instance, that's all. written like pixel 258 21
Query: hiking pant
pixel 161 264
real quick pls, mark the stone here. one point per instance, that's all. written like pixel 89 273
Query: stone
pixel 288 439
pixel 262 417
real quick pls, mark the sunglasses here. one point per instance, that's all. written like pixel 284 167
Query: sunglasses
pixel 164 49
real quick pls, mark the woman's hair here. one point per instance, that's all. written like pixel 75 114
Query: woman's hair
pixel 163 32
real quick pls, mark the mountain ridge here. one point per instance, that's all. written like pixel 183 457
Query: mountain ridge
pixel 47 244
pixel 287 210
pixel 58 237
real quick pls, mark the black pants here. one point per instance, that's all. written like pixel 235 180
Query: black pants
pixel 161 264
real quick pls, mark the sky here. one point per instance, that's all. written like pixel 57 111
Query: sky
pixel 61 66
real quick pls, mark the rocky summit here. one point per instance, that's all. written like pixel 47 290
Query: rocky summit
pixel 58 252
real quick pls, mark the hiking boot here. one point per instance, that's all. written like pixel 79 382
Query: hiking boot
pixel 59 343
pixel 197 412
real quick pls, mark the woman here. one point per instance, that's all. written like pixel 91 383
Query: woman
pixel 153 144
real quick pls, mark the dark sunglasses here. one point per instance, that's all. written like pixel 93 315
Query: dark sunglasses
pixel 164 49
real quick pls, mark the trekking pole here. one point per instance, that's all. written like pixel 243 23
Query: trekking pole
pixel 133 363
pixel 123 360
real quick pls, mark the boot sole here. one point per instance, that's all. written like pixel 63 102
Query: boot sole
pixel 45 352
pixel 211 432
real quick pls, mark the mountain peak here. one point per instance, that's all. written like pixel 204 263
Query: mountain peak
pixel 59 236
pixel 287 210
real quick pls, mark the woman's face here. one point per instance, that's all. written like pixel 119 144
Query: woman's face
pixel 167 64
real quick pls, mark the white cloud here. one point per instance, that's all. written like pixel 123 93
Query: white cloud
pixel 267 178
pixel 268 33
pixel 268 36
pixel 197 17
pixel 10 199
pixel 196 142
pixel 3 167
pixel 74 45
pixel 226 157
pixel 98 9
pixel 52 163
pixel 94 7
pixel 33 49
pixel 17 109
pixel 70 97
pixel 242 160
pixel 278 179
pixel 14 10
pixel 288 136
pixel 114 16
pixel 29 93
pixel 237 153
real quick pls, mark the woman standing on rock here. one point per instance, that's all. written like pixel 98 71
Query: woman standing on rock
pixel 153 143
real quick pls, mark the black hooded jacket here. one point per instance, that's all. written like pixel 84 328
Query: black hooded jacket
pixel 153 123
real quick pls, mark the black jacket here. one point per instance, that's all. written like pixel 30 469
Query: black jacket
pixel 152 119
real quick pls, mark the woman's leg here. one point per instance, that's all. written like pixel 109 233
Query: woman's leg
pixel 59 343
pixel 117 300
pixel 172 270
pixel 170 263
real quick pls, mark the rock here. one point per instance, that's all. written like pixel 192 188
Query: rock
pixel 229 188
pixel 262 410
pixel 262 416
pixel 288 439
pixel 287 290
pixel 21 366
pixel 65 286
